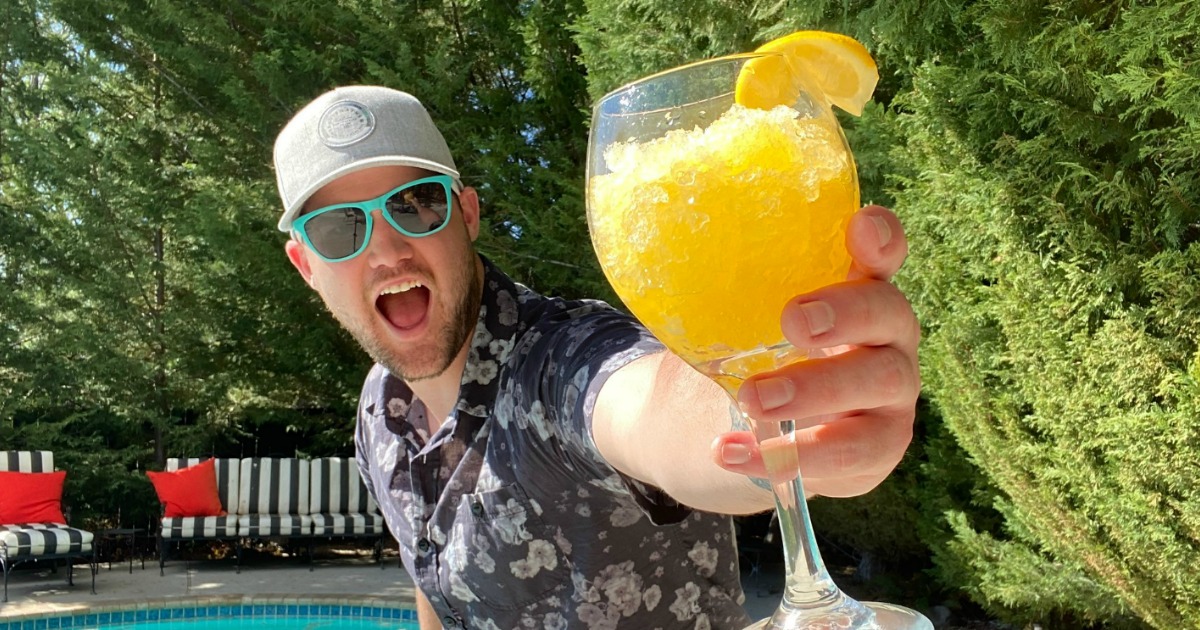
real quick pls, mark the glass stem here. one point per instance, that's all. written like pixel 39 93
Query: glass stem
pixel 808 583
pixel 810 598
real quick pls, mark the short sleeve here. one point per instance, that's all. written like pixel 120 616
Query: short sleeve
pixel 575 355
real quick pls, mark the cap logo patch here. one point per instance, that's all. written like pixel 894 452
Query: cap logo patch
pixel 345 123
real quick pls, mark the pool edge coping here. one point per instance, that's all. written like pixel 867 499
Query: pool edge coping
pixel 192 601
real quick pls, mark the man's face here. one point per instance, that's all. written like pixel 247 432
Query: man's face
pixel 411 303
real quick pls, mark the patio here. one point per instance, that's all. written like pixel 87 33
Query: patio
pixel 349 579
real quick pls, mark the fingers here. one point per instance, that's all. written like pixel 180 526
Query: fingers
pixel 812 391
pixel 843 458
pixel 853 409
pixel 879 371
pixel 877 244
pixel 860 312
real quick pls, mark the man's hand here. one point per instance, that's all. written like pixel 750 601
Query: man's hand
pixel 854 407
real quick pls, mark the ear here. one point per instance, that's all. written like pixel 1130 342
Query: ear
pixel 298 254
pixel 468 203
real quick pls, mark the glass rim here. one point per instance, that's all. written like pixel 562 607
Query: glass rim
pixel 703 62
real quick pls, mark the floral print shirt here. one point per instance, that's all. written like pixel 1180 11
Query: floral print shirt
pixel 508 517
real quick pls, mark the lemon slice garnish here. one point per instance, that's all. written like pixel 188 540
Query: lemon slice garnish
pixel 837 65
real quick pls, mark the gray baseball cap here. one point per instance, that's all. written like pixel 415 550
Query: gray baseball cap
pixel 350 129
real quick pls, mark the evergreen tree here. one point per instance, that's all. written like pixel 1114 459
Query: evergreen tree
pixel 1049 183
pixel 150 288
pixel 137 305
pixel 501 80
pixel 1041 155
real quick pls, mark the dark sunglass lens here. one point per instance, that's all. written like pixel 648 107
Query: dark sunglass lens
pixel 419 209
pixel 337 233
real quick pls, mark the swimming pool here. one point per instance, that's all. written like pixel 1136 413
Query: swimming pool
pixel 313 616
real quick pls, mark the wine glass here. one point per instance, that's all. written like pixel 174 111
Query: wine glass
pixel 707 216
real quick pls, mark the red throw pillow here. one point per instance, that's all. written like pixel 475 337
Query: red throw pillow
pixel 31 497
pixel 190 491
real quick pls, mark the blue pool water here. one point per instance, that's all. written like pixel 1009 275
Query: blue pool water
pixel 279 623
pixel 259 617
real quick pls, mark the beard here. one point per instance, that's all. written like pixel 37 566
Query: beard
pixel 419 363
pixel 464 315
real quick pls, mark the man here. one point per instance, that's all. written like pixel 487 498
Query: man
pixel 545 463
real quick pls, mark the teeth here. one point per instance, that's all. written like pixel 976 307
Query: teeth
pixel 401 288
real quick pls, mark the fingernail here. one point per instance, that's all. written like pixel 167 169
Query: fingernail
pixel 885 231
pixel 819 316
pixel 735 454
pixel 774 392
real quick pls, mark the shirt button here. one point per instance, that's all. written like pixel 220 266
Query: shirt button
pixel 450 622
pixel 477 508
pixel 424 545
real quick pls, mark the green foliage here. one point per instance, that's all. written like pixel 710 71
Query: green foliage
pixel 145 282
pixel 624 41
pixel 851 532
pixel 135 289
pixel 1045 181
pixel 1042 156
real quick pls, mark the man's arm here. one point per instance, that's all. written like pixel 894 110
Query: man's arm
pixel 427 619
pixel 661 422
pixel 655 420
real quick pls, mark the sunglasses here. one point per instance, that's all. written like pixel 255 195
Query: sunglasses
pixel 342 231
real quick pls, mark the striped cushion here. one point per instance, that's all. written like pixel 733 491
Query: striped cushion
pixel 347 524
pixel 199 527
pixel 27 461
pixel 338 488
pixel 14 528
pixel 256 525
pixel 273 486
pixel 15 543
pixel 228 477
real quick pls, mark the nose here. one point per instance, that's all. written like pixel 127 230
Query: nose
pixel 387 246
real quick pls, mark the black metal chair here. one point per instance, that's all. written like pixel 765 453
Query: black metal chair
pixel 36 542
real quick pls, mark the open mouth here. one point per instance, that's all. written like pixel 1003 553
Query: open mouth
pixel 404 305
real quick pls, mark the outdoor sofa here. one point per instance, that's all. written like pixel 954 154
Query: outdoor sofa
pixel 300 499
pixel 29 477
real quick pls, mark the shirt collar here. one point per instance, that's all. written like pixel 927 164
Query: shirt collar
pixel 491 345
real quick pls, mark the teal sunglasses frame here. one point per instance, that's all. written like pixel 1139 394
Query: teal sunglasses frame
pixel 369 206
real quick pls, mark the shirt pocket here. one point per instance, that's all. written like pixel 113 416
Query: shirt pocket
pixel 507 556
